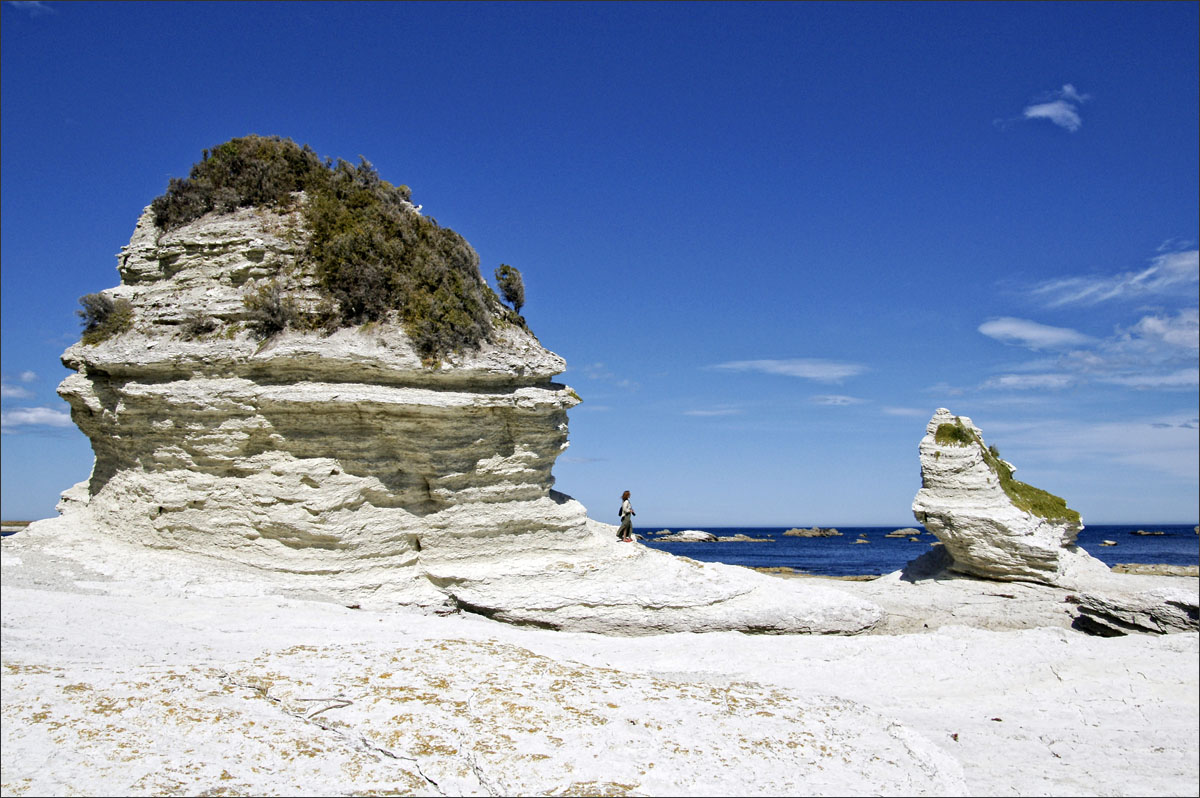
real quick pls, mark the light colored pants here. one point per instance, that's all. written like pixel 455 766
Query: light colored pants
pixel 626 530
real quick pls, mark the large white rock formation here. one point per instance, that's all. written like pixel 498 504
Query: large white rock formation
pixel 986 531
pixel 340 465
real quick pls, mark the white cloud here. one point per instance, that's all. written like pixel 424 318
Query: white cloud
pixel 717 411
pixel 597 371
pixel 1182 331
pixel 1068 92
pixel 1158 351
pixel 1166 444
pixel 835 401
pixel 1062 108
pixel 10 390
pixel 1028 382
pixel 1168 273
pixel 34 417
pixel 1031 334
pixel 907 412
pixel 1184 378
pixel 805 368
pixel 1060 112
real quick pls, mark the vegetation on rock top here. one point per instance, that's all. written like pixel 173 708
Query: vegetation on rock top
pixel 1025 496
pixel 373 254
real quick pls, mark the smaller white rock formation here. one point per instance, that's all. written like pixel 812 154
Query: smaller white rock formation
pixel 689 536
pixel 991 525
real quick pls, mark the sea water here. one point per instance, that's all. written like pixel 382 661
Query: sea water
pixel 841 556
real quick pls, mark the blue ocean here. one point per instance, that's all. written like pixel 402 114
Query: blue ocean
pixel 841 556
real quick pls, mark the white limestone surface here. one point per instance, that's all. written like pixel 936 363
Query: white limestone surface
pixel 133 671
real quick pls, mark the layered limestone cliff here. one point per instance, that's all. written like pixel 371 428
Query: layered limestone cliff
pixel 343 464
pixel 991 525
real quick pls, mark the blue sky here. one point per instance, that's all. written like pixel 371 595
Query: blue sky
pixel 769 239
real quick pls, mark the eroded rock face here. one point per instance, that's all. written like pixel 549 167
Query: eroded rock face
pixel 984 531
pixel 340 464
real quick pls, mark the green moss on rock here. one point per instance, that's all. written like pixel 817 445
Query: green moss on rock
pixel 955 434
pixel 1025 496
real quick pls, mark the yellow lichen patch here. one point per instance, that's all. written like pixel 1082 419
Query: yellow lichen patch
pixel 597 788
pixel 15 668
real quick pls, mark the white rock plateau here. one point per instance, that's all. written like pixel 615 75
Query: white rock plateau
pixel 339 465
pixel 134 671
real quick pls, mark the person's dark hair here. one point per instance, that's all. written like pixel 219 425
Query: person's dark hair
pixel 625 495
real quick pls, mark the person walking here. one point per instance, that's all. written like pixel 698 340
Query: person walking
pixel 625 533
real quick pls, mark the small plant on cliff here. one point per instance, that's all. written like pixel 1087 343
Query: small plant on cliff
pixel 269 310
pixel 197 324
pixel 512 287
pixel 372 253
pixel 103 317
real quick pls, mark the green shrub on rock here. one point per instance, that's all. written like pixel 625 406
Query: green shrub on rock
pixel 511 286
pixel 269 310
pixel 372 253
pixel 103 317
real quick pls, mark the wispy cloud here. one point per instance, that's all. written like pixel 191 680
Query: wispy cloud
pixel 1168 273
pixel 805 368
pixel 1060 107
pixel 10 420
pixel 35 8
pixel 10 389
pixel 1032 334
pixel 1158 351
pixel 1166 444
pixel 1029 382
pixel 834 400
pixel 716 411
pixel 1178 332
pixel 1184 378
pixel 907 412
pixel 601 373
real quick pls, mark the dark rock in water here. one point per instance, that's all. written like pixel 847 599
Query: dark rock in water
pixel 815 532
pixel 1144 533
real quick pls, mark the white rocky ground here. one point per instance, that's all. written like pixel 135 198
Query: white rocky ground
pixel 133 671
